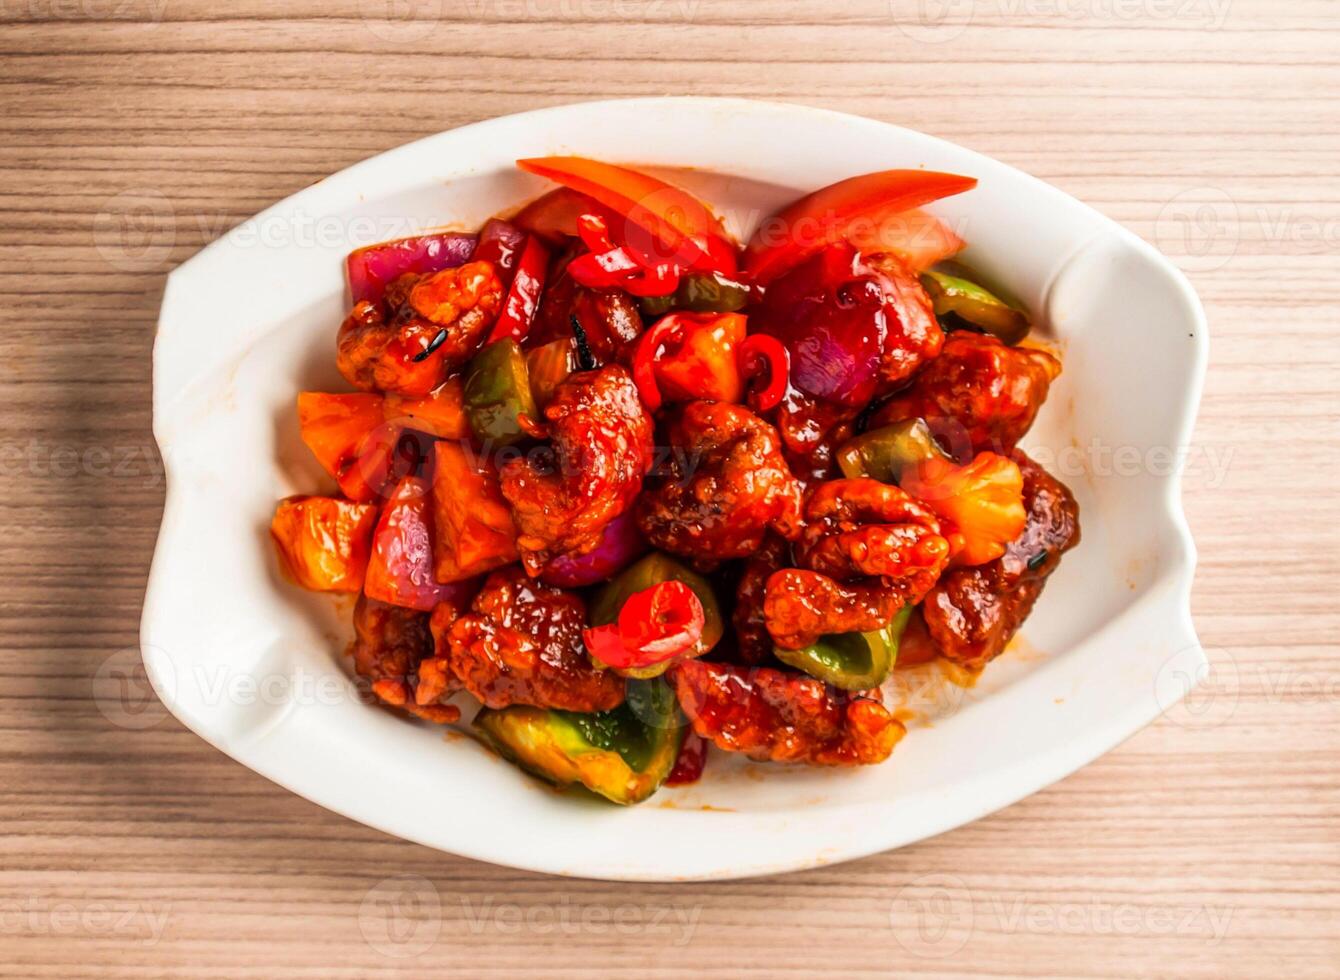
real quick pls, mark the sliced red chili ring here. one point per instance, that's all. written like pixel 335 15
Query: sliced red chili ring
pixel 608 266
pixel 764 353
pixel 650 347
pixel 654 625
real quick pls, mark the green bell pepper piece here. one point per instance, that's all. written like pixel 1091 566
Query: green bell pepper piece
pixel 624 754
pixel 851 661
pixel 700 293
pixel 881 454
pixel 654 569
pixel 979 308
pixel 497 392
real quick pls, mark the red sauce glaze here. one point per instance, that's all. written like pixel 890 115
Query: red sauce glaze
pixel 726 487
pixel 972 613
pixel 602 448
pixel 522 644
pixel 753 642
pixel 867 549
pixel 778 716
pixel 393 346
pixel 692 758
pixel 977 395
pixel 609 318
pixel 392 650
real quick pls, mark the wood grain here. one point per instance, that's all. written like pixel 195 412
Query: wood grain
pixel 133 132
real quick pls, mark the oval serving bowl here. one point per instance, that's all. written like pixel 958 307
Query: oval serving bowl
pixel 256 667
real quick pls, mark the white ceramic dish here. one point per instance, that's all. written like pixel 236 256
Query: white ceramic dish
pixel 255 666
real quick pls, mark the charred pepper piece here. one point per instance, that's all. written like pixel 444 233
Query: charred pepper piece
pixel 623 755
pixel 700 292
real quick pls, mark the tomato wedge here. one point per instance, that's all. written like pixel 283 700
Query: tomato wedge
pixel 473 531
pixel 351 439
pixel 917 237
pixel 439 413
pixel 824 217
pixel 675 219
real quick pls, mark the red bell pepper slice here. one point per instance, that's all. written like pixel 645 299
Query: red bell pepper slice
pixel 762 355
pixel 824 217
pixel 523 296
pixel 689 356
pixel 500 244
pixel 401 567
pixel 554 216
pixel 372 268
pixel 612 266
pixel 655 625
pixel 675 220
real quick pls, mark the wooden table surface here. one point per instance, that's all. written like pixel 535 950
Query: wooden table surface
pixel 132 132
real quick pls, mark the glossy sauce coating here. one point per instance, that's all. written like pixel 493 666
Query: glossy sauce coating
pixel 753 642
pixel 726 487
pixel 602 448
pixel 395 347
pixel 867 550
pixel 609 318
pixel 391 647
pixel 522 644
pixel 972 613
pixel 778 716
pixel 977 395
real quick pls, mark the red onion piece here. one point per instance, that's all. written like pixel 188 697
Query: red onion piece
pixel 829 312
pixel 372 268
pixel 619 546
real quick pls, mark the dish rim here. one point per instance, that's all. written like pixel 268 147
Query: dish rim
pixel 1171 588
